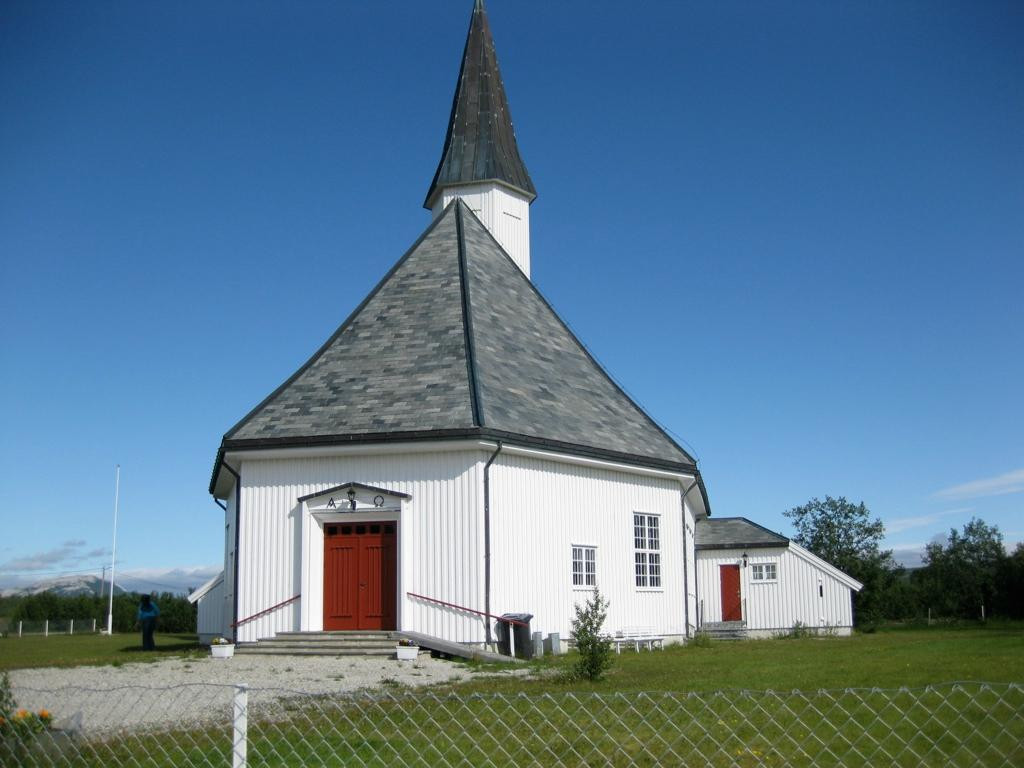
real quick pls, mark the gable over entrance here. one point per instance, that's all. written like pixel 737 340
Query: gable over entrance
pixel 349 557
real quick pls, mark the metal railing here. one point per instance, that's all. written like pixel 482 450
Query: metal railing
pixel 265 611
pixel 484 614
pixel 952 724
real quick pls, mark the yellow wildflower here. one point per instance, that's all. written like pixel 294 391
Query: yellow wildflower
pixel 45 714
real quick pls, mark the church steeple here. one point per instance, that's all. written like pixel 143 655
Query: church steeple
pixel 480 162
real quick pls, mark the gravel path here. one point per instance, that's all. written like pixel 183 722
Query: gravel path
pixel 180 691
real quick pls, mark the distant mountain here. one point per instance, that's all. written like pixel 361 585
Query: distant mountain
pixel 178 581
pixel 65 586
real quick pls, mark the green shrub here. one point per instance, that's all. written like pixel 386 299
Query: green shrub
pixel 593 646
pixel 702 640
pixel 799 631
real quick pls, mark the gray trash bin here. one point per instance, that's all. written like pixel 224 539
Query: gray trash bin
pixel 524 642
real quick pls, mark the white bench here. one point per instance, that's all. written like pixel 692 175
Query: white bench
pixel 636 637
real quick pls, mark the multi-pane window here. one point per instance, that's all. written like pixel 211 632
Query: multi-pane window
pixel 584 567
pixel 647 543
pixel 764 572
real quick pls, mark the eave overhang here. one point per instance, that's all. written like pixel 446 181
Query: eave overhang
pixel 220 481
pixel 744 545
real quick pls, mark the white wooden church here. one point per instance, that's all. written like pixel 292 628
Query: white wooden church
pixel 452 452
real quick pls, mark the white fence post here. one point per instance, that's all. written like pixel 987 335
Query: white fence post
pixel 46 628
pixel 71 628
pixel 19 629
pixel 240 745
pixel 94 626
pixel 512 639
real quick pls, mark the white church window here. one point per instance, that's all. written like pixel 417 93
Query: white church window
pixel 647 558
pixel 764 572
pixel 584 566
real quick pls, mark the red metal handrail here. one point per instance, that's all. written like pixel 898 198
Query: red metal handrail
pixel 467 610
pixel 265 612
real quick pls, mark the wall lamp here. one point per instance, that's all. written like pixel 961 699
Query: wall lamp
pixel 744 559
pixel 352 498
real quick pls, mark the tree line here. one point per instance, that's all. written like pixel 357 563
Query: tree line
pixel 177 614
pixel 969 575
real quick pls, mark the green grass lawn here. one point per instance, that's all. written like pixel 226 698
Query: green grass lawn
pixel 888 659
pixel 80 650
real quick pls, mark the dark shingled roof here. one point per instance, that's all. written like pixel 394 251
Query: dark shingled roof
pixel 456 342
pixel 735 533
pixel 481 143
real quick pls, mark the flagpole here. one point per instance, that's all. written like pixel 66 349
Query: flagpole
pixel 113 552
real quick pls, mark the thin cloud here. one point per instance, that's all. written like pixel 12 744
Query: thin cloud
pixel 40 561
pixel 67 555
pixel 900 524
pixel 1000 485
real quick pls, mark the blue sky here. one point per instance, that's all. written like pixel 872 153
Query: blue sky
pixel 793 232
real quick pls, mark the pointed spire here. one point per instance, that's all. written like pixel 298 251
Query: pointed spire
pixel 481 143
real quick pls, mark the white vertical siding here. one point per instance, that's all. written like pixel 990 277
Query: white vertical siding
pixel 774 607
pixel 505 213
pixel 440 537
pixel 210 614
pixel 540 508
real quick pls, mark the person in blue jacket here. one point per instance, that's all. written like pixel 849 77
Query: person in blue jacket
pixel 147 618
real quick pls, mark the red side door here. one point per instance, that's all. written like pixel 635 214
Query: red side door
pixel 732 603
pixel 360 564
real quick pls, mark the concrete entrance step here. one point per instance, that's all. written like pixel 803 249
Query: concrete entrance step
pixel 338 636
pixel 356 643
pixel 257 649
pixel 725 630
pixel 361 643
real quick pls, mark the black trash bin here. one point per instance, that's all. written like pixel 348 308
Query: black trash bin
pixel 521 633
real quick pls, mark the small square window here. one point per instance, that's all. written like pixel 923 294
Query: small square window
pixel 764 572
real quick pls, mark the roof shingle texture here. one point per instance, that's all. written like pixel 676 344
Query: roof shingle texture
pixel 401 362
pixel 480 144
pixel 734 532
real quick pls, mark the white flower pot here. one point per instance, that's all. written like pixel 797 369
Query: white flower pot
pixel 407 652
pixel 222 651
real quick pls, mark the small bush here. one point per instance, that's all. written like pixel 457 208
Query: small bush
pixel 702 640
pixel 593 646
pixel 799 631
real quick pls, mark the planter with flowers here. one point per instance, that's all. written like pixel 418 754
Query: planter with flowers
pixel 27 737
pixel 406 650
pixel 222 648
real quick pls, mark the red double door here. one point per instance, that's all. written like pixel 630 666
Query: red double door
pixel 360 564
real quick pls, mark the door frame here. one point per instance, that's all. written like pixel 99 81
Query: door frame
pixel 739 588
pixel 310 558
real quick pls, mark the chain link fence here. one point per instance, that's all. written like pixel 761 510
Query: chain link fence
pixel 955 724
